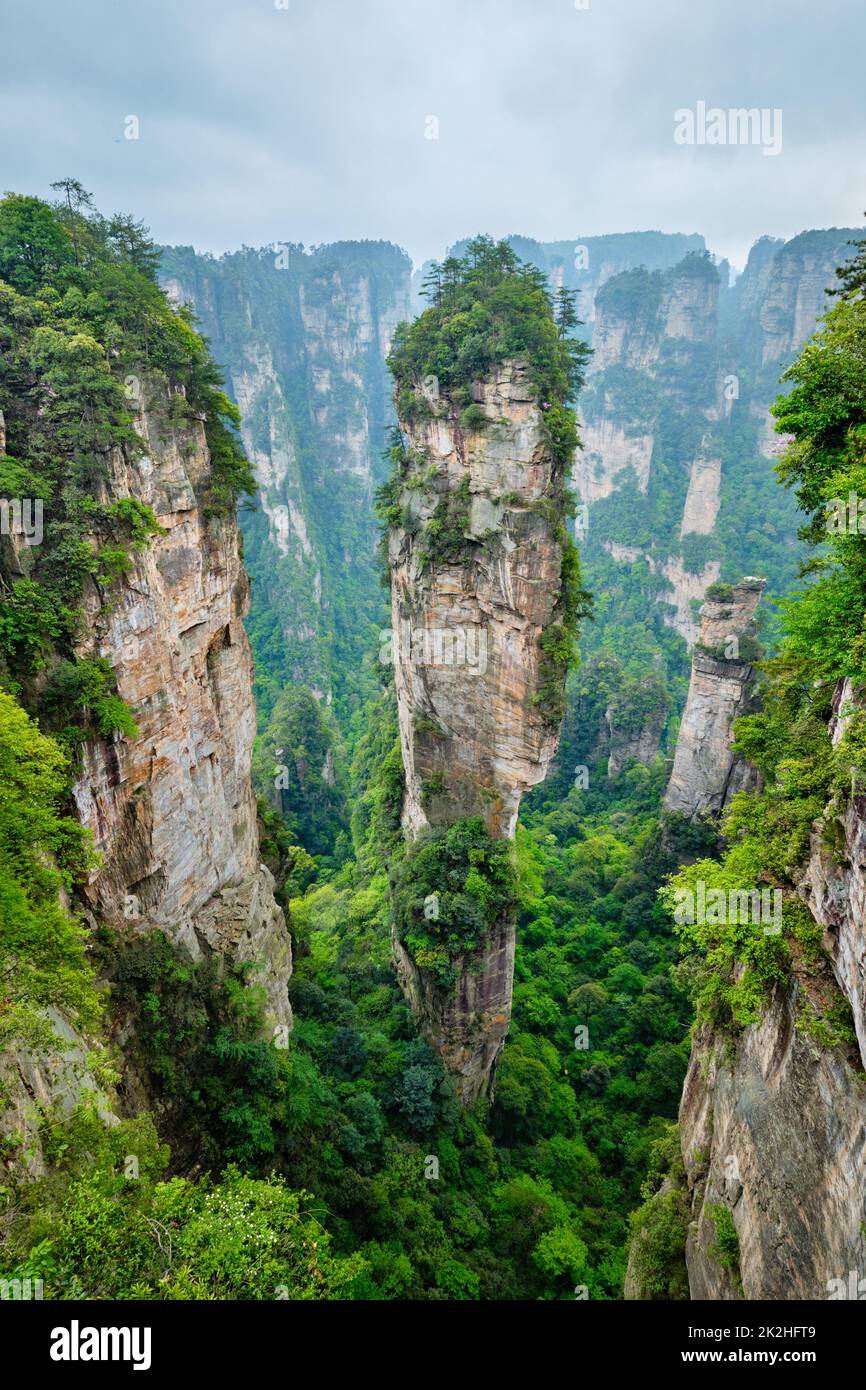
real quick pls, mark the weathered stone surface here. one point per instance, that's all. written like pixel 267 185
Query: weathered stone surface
pixel 474 738
pixel 772 1127
pixel 56 1081
pixel 172 810
pixel 492 743
pixel 638 745
pixel 607 452
pixel 707 771
pixel 773 1124
pixel 833 882
pixel 702 498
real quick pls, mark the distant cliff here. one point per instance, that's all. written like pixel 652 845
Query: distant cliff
pixel 707 771
pixel 302 338
pixel 677 433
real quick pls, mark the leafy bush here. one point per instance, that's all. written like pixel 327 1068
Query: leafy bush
pixel 473 879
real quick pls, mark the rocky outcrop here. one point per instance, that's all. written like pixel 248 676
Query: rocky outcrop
pixel 772 1130
pixel 707 771
pixel 608 451
pixel 467 660
pixel 833 882
pixel 172 809
pixel 639 745
pixel 773 1121
pixel 469 667
pixel 702 498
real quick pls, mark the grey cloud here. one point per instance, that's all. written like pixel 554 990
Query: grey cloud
pixel 308 123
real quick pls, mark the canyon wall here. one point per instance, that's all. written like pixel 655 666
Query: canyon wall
pixel 773 1116
pixel 171 809
pixel 469 667
pixel 302 338
pixel 772 1130
pixel 676 471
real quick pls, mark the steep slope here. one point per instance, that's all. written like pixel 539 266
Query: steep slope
pixel 677 434
pixel 773 1120
pixel 171 808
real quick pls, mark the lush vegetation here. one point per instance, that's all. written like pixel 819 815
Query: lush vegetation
pixel 807 778
pixel 336 1163
pixel 88 340
pixel 487 307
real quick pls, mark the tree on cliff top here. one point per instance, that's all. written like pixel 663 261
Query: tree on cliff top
pixel 486 307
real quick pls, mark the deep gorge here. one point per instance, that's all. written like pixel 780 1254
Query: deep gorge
pixel 366 963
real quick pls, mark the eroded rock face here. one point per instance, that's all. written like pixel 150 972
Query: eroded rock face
pixel 773 1130
pixel 469 669
pixel 773 1122
pixel 469 720
pixel 172 810
pixel 303 339
pixel 608 451
pixel 634 745
pixel 707 771
pixel 702 498
pixel 833 882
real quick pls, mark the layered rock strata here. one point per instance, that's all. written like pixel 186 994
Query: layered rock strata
pixel 469 665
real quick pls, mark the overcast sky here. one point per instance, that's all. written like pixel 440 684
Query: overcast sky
pixel 312 122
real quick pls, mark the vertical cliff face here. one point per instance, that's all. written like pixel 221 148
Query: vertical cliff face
pixel 833 883
pixel 172 809
pixel 650 345
pixel 772 1119
pixel 477 692
pixel 772 1130
pixel 467 630
pixel 707 771
pixel 302 338
pixel 170 806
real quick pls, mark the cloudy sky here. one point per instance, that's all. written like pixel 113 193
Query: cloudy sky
pixel 422 121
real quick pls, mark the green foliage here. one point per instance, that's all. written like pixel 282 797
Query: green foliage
pixel 473 880
pixel 42 952
pixel 487 307
pixel 727 1244
pixel 88 339
pixel 444 538
pixel 199 1033
pixel 95 1230
pixel 806 779
pixel 299 765
pixel 659 1227
pixel 84 691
